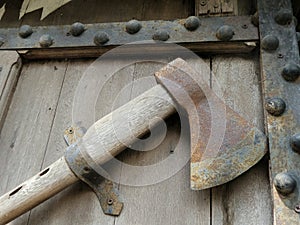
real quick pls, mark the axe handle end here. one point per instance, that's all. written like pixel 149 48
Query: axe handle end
pixel 34 191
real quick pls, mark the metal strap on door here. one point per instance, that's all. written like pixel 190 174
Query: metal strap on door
pixel 281 87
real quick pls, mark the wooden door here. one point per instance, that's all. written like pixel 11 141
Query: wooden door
pixel 37 95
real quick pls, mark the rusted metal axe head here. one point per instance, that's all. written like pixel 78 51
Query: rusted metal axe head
pixel 223 143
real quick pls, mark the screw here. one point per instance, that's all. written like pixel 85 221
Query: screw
pixel 297 208
pixel 46 41
pixel 225 33
pixel 275 106
pixel 295 143
pixel 270 42
pixel 244 26
pixel 133 26
pixel 284 17
pixel 101 38
pixel 110 201
pixel 255 19
pixel 70 131
pixel 77 29
pixel 25 31
pixel 203 3
pixel 291 71
pixel 284 183
pixel 192 23
pixel 86 169
pixel 161 35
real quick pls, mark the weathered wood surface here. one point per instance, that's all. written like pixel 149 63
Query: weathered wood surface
pixel 10 67
pixel 105 138
pixel 36 133
pixel 104 11
pixel 247 199
pixel 26 130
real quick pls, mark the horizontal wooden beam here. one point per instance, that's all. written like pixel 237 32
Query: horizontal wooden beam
pixel 60 41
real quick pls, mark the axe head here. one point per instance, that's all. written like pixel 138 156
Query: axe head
pixel 223 143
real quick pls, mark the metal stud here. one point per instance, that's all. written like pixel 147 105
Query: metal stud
pixel 284 17
pixel 133 26
pixel 77 29
pixel 284 183
pixel 291 71
pixel 270 42
pixel 295 143
pixel 46 41
pixel 25 31
pixel 101 38
pixel 275 106
pixel 192 23
pixel 225 33
pixel 161 35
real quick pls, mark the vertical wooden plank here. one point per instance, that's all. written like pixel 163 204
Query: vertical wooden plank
pixel 170 201
pixel 77 204
pixel 246 200
pixel 10 66
pixel 28 124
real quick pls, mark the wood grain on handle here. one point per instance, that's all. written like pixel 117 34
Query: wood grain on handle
pixel 155 103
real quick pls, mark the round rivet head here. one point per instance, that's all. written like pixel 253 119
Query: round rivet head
pixel 291 72
pixel 77 29
pixel 46 41
pixel 192 23
pixel 270 42
pixel 275 106
pixel 225 33
pixel 133 26
pixel 161 35
pixel 101 38
pixel 295 143
pixel 25 31
pixel 284 17
pixel 284 183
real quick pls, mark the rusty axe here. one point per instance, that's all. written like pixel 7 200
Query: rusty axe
pixel 242 145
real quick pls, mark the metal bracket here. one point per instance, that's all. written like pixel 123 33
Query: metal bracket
pixel 105 190
pixel 280 71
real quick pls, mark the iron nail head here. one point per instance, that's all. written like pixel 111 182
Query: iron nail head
pixel 225 33
pixel 192 23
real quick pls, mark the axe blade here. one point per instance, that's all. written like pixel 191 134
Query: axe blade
pixel 223 144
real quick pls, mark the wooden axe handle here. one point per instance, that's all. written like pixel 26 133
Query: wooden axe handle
pixel 154 103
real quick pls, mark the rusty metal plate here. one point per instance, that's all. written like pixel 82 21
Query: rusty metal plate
pixel 107 35
pixel 106 190
pixel 281 88
pixel 223 144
